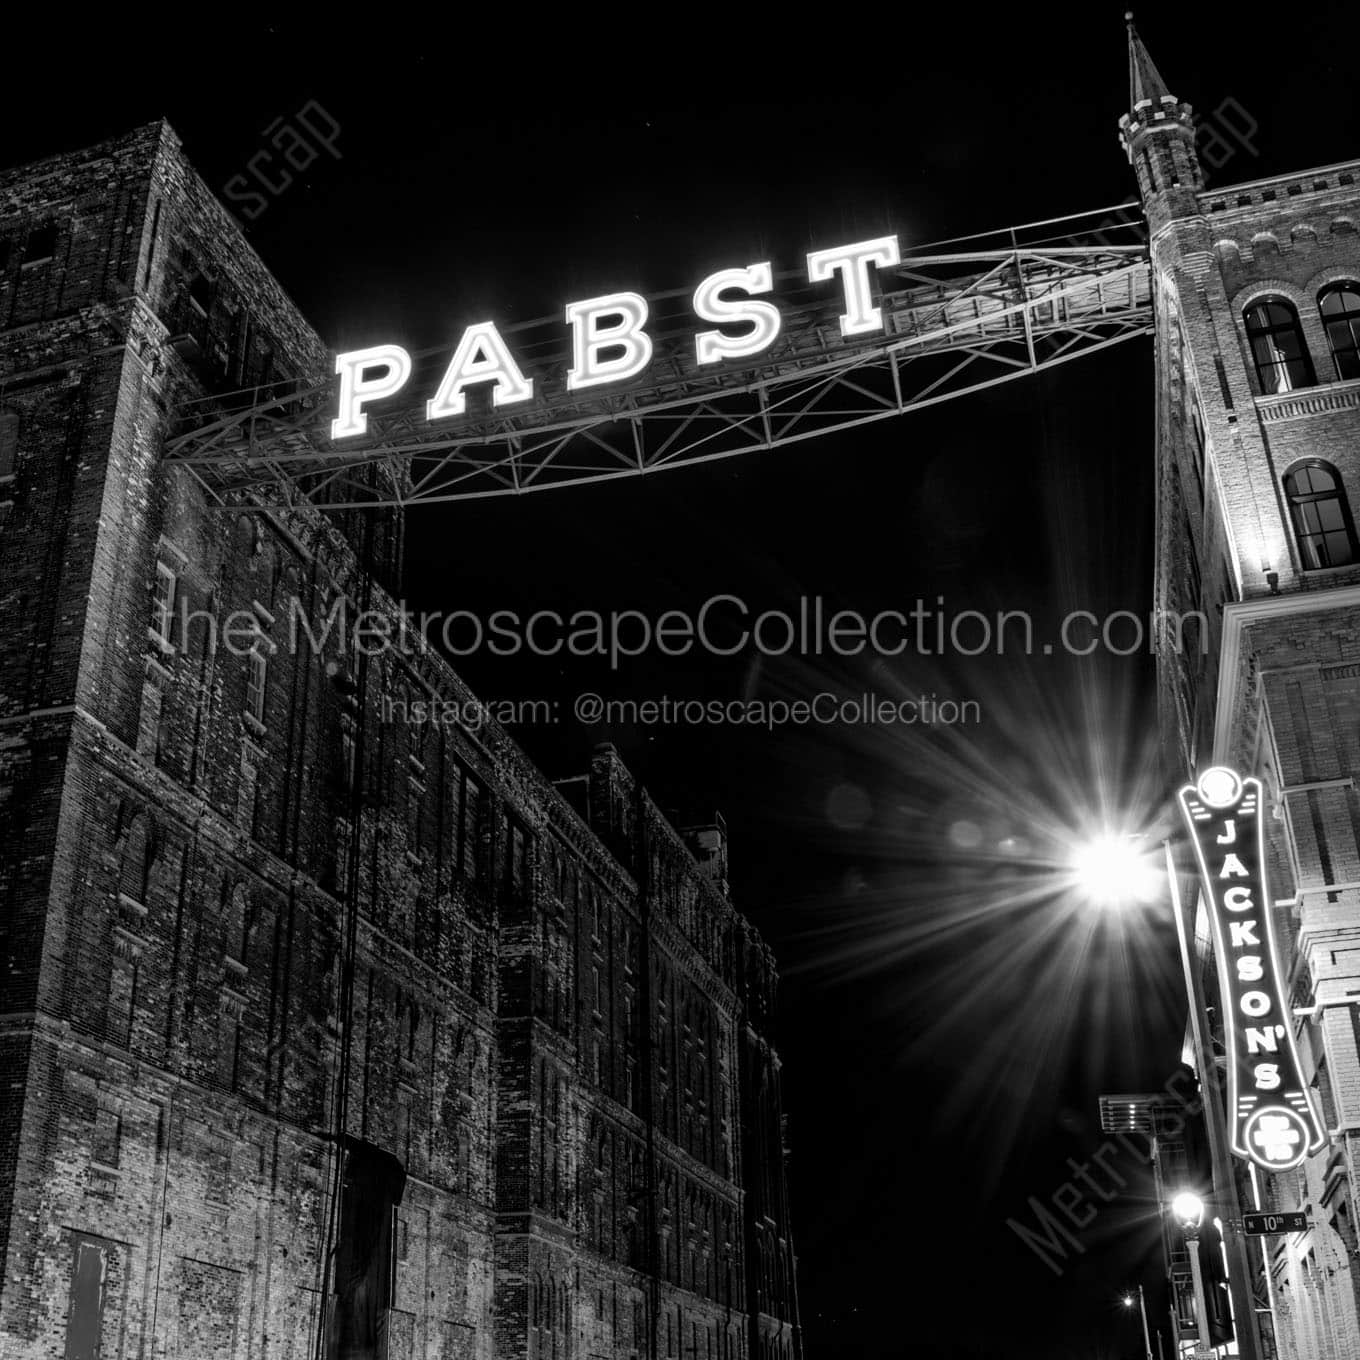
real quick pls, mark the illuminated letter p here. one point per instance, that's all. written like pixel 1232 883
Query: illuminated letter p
pixel 356 389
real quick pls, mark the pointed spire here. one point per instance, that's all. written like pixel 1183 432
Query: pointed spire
pixel 1145 80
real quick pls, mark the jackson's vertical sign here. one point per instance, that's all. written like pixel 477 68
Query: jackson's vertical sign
pixel 1270 1118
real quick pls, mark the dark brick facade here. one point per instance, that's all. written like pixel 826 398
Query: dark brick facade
pixel 221 879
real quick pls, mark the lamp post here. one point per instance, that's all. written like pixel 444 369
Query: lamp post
pixel 1111 870
pixel 1189 1211
pixel 1142 1308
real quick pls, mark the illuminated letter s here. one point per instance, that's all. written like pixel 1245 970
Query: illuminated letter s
pixel 356 390
pixel 588 369
pixel 481 357
pixel 710 305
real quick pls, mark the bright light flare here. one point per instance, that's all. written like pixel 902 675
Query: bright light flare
pixel 1111 870
pixel 1188 1208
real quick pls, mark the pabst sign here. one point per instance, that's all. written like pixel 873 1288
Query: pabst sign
pixel 1271 1120
pixel 609 338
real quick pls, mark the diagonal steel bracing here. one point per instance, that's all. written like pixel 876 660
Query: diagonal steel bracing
pixel 956 321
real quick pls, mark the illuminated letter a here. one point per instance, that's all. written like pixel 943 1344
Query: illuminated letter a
pixel 481 357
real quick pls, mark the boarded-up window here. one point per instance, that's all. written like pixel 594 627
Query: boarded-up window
pixel 85 1322
pixel 123 978
pixel 107 1136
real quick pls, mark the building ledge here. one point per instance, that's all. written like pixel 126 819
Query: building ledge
pixel 1309 401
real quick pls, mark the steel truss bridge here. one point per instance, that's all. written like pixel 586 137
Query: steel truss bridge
pixel 959 316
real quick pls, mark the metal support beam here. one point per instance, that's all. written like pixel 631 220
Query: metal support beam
pixel 953 323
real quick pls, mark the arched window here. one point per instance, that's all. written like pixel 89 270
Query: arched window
pixel 1322 519
pixel 1277 346
pixel 1340 307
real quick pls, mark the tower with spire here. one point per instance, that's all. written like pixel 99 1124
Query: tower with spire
pixel 1256 292
pixel 1158 135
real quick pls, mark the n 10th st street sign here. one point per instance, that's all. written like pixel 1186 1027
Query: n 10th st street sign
pixel 1261 1225
pixel 1270 1118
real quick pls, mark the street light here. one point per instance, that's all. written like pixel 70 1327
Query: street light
pixel 1188 1210
pixel 1112 870
pixel 1115 871
pixel 1142 1308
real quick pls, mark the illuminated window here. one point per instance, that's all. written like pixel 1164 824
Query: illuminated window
pixel 1322 519
pixel 1277 346
pixel 1340 307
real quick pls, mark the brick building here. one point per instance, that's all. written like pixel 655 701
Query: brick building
pixel 1257 296
pixel 288 981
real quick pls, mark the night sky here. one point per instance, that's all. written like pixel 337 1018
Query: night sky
pixel 949 1016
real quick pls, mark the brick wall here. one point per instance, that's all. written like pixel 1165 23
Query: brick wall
pixel 555 1019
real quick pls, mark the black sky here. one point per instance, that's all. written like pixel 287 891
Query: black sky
pixel 503 167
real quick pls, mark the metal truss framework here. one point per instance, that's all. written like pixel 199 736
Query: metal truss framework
pixel 956 321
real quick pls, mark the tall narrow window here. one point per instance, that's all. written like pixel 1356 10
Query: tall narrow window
pixel 163 604
pixel 1340 307
pixel 1277 346
pixel 415 801
pixel 9 445
pixel 255 683
pixel 516 860
pixel 470 832
pixel 1322 518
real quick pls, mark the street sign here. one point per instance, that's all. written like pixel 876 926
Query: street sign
pixel 1258 1225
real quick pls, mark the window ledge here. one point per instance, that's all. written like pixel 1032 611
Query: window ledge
pixel 1309 401
pixel 1325 575
pixel 253 724
pixel 161 642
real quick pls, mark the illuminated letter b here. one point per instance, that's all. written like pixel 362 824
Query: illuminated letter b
pixel 589 338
